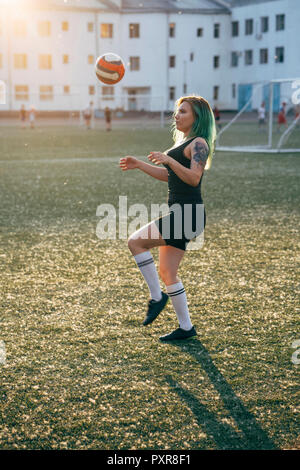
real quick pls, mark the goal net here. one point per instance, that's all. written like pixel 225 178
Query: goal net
pixel 268 119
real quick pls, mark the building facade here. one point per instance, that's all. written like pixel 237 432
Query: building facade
pixel 217 49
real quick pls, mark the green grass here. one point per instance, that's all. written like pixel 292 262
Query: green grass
pixel 243 133
pixel 81 372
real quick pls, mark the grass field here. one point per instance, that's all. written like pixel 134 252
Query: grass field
pixel 80 371
pixel 251 135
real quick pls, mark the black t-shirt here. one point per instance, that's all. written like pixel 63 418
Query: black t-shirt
pixel 178 190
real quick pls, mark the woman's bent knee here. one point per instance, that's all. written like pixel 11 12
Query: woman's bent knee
pixel 132 243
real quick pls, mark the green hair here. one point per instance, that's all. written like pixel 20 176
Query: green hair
pixel 204 124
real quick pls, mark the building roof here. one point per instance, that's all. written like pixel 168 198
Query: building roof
pixel 242 3
pixel 207 6
pixel 108 5
pixel 130 6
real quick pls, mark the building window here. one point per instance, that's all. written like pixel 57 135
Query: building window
pixel 20 61
pixel 192 57
pixel 134 30
pixel 134 63
pixel 172 30
pixel 44 28
pixel 234 59
pixel 279 55
pixel 45 61
pixel 172 93
pixel 21 92
pixel 263 56
pixel 216 30
pixel 264 24
pixel 91 59
pixel 65 59
pixel 19 28
pixel 66 89
pixel 248 27
pixel 216 92
pixel 184 88
pixel 234 28
pixel 107 30
pixel 249 57
pixel 108 92
pixel 65 26
pixel 172 61
pixel 233 90
pixel 46 92
pixel 216 61
pixel 91 89
pixel 90 27
pixel 280 22
pixel 199 32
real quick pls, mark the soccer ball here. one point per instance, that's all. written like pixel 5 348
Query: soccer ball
pixel 109 68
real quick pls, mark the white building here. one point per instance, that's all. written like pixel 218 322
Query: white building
pixel 170 47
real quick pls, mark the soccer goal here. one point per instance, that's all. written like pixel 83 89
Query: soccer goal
pixel 268 119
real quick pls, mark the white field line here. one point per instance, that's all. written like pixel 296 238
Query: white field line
pixel 69 160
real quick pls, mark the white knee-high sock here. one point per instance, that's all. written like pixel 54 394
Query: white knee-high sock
pixel 147 267
pixel 177 294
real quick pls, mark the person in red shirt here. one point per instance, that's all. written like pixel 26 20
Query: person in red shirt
pixel 217 117
pixel 281 118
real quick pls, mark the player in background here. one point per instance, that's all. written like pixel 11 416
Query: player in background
pixel 107 113
pixel 281 118
pixel 22 115
pixel 88 114
pixel 261 115
pixel 217 116
pixel 32 116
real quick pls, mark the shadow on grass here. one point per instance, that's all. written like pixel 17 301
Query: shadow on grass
pixel 225 437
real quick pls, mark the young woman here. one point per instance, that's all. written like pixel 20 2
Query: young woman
pixel 194 135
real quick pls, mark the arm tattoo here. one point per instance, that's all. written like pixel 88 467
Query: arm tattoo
pixel 200 154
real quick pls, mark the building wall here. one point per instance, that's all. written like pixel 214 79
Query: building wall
pixel 199 74
pixel 191 75
pixel 257 72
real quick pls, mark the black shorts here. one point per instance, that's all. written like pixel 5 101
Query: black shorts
pixel 183 223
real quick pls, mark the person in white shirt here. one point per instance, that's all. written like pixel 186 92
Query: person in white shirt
pixel 32 115
pixel 261 115
pixel 88 115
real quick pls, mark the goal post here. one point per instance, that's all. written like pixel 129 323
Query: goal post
pixel 278 132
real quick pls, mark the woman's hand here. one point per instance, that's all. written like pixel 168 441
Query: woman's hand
pixel 158 158
pixel 128 163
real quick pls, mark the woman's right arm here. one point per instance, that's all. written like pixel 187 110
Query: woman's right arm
pixel 131 163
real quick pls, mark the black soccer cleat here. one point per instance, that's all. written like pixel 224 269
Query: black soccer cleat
pixel 154 309
pixel 179 334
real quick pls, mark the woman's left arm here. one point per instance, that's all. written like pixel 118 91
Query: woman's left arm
pixel 192 175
